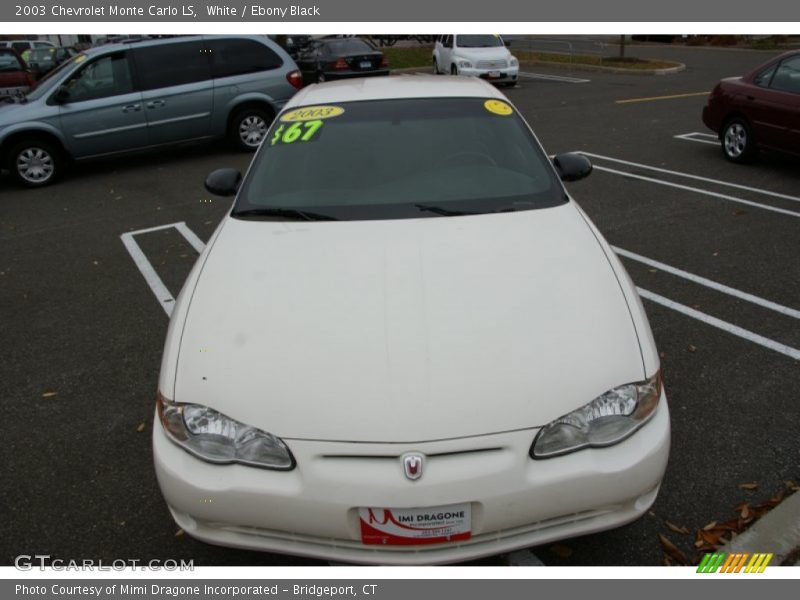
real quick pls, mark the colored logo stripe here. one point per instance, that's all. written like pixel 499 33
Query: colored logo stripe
pixel 734 563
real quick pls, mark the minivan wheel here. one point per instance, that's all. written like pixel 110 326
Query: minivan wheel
pixel 738 144
pixel 35 163
pixel 249 128
pixel 321 77
pixel 435 67
pixel 453 70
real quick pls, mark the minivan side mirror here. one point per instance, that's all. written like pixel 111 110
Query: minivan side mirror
pixel 572 166
pixel 224 182
pixel 61 96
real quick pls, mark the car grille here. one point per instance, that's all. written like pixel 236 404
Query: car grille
pixel 491 64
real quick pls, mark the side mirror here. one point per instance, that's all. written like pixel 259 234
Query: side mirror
pixel 61 96
pixel 224 182
pixel 572 166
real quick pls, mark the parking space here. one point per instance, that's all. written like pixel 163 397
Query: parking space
pixel 90 268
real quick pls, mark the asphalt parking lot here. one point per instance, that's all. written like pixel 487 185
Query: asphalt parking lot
pixel 713 246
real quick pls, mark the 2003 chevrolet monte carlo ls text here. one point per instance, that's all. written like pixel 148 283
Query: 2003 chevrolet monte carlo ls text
pixel 406 344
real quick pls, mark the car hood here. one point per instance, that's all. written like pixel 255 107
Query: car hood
pixel 494 53
pixel 406 330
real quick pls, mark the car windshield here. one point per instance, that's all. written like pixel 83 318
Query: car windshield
pixel 351 46
pixel 392 159
pixel 478 41
pixel 43 54
pixel 9 62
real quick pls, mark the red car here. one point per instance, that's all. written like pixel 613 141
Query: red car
pixel 15 78
pixel 759 110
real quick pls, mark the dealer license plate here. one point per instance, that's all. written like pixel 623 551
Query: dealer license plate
pixel 494 74
pixel 408 526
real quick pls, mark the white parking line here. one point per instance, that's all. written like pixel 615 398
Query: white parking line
pixel 691 176
pixel 688 188
pixel 160 291
pixel 696 136
pixel 560 78
pixel 779 308
pixel 720 324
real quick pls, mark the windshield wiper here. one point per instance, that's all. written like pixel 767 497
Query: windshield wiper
pixel 445 212
pixel 290 213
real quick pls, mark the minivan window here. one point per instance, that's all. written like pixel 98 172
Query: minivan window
pixel 167 65
pixel 107 76
pixel 237 57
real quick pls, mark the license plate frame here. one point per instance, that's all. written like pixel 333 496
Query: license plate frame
pixel 415 526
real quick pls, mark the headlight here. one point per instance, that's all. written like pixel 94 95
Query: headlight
pixel 514 62
pixel 605 421
pixel 464 64
pixel 215 438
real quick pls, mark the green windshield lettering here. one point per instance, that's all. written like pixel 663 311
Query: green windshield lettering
pixel 303 131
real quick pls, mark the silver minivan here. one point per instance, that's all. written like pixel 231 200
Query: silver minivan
pixel 146 94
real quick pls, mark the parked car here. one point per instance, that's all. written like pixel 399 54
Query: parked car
pixel 43 60
pixel 340 58
pixel 760 110
pixel 125 97
pixel 15 77
pixel 23 46
pixel 398 352
pixel 484 56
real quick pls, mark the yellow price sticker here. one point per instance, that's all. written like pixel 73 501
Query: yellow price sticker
pixel 311 113
pixel 498 107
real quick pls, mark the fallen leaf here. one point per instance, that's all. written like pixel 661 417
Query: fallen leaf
pixel 745 512
pixel 739 212
pixel 710 525
pixel 677 528
pixel 671 549
pixel 692 348
pixel 561 550
pixel 140 428
pixel 699 543
pixel 179 533
pixel 653 270
pixel 709 537
pixel 667 561
pixel 748 486
pixel 715 254
pixel 662 354
pixel 49 394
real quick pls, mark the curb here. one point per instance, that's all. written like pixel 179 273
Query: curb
pixel 583 67
pixel 777 532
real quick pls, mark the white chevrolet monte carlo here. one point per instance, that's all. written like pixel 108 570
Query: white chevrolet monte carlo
pixel 406 344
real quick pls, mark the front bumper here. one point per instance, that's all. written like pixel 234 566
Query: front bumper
pixel 516 501
pixel 506 75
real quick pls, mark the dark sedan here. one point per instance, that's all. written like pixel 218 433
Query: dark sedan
pixel 339 58
pixel 760 110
